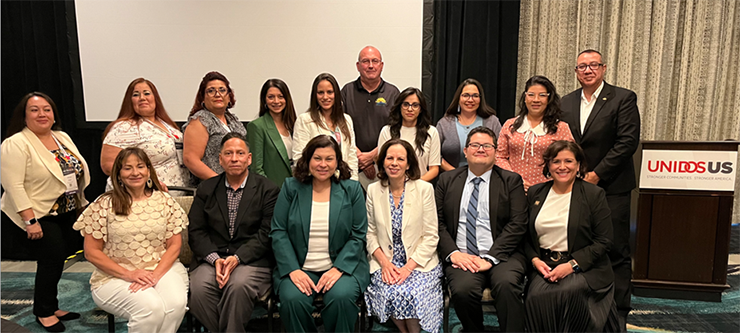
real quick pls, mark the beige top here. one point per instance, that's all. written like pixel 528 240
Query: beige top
pixel 552 222
pixel 134 241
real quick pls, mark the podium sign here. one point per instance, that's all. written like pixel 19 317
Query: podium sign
pixel 701 170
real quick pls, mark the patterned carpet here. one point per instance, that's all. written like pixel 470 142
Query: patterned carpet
pixel 648 315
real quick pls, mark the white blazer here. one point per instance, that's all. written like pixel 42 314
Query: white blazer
pixel 419 226
pixel 306 129
pixel 31 176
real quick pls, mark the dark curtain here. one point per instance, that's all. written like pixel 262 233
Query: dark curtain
pixel 40 53
pixel 474 39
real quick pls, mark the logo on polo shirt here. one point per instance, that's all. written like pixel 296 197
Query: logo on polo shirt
pixel 380 102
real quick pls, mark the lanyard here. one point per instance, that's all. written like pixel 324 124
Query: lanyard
pixel 169 128
pixel 61 148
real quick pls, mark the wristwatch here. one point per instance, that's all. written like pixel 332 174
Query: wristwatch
pixel 31 221
pixel 574 265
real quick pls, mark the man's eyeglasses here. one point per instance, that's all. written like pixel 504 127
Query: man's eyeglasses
pixel 212 91
pixel 486 147
pixel 594 66
pixel 412 107
pixel 467 96
pixel 367 62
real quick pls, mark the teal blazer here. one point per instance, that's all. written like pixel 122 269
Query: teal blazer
pixel 269 156
pixel 291 222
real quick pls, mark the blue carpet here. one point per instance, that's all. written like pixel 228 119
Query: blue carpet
pixel 653 313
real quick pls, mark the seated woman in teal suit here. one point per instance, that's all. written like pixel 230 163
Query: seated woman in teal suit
pixel 318 236
pixel 271 135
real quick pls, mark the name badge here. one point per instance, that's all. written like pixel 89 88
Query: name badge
pixel 179 149
pixel 70 179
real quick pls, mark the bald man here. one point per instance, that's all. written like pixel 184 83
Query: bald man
pixel 368 100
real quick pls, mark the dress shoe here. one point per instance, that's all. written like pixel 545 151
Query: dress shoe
pixel 70 316
pixel 58 327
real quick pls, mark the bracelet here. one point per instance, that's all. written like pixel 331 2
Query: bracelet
pixel 535 258
pixel 407 269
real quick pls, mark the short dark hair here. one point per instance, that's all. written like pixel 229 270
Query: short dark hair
pixel 302 172
pixel 484 130
pixel 412 173
pixel 555 148
pixel 232 135
pixel 18 119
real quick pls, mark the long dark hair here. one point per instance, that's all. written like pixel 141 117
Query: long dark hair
pixel 337 112
pixel 288 114
pixel 127 112
pixel 18 119
pixel 423 121
pixel 484 110
pixel 552 111
pixel 201 94
pixel 119 196
pixel 412 173
pixel 302 172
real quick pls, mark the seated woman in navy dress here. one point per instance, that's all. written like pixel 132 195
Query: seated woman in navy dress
pixel 406 280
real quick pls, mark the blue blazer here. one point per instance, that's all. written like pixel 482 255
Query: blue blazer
pixel 291 223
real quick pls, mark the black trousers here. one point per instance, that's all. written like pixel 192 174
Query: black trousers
pixel 506 281
pixel 51 250
pixel 619 255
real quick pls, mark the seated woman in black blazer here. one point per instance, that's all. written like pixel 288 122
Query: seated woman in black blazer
pixel 570 232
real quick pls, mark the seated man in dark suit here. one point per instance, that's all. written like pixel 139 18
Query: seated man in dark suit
pixel 488 255
pixel 228 233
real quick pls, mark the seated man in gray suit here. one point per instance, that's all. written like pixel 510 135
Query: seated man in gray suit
pixel 482 215
pixel 228 233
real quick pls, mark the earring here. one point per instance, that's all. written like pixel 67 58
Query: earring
pixel 149 183
pixel 578 174
pixel 458 108
pixel 336 173
pixel 228 106
pixel 203 105
pixel 120 183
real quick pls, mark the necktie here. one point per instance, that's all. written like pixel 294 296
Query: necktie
pixel 471 217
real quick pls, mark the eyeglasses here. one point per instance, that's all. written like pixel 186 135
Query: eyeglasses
pixel 476 146
pixel 467 96
pixel 212 91
pixel 367 62
pixel 412 107
pixel 594 66
pixel 532 95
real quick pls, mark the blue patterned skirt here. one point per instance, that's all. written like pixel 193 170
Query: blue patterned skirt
pixel 419 297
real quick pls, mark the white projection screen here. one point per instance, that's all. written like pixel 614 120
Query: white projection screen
pixel 175 43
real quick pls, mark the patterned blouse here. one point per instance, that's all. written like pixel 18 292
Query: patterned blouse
pixel 66 202
pixel 134 241
pixel 157 143
pixel 521 151
pixel 216 132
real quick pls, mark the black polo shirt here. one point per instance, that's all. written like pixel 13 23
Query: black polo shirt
pixel 369 110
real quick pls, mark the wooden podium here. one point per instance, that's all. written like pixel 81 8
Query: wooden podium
pixel 683 235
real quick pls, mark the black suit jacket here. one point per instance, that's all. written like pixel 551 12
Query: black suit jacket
pixel 508 211
pixel 610 137
pixel 589 230
pixel 209 221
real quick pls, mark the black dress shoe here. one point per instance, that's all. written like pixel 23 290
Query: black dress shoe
pixel 58 327
pixel 70 316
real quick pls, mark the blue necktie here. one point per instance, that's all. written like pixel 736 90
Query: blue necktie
pixel 471 217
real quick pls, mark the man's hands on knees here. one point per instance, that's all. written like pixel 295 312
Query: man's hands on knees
pixel 466 262
pixel 224 267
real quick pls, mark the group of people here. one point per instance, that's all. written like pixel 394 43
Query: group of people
pixel 313 205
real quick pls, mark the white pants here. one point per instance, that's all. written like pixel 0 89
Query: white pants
pixel 157 309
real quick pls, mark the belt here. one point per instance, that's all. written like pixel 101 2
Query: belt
pixel 554 255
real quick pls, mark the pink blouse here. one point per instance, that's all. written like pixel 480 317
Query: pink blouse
pixel 521 151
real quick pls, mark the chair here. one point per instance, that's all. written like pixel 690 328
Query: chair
pixel 485 300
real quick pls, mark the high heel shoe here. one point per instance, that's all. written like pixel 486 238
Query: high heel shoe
pixel 70 316
pixel 58 327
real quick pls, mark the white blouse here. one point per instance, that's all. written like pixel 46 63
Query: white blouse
pixel 552 222
pixel 317 258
